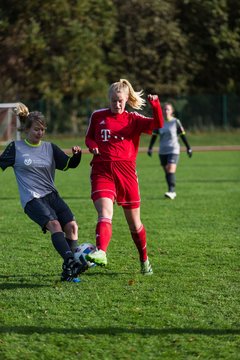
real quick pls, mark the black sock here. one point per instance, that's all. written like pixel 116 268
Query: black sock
pixel 61 245
pixel 171 181
pixel 73 244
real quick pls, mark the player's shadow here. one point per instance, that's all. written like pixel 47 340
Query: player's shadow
pixel 13 286
pixel 22 281
pixel 24 276
pixel 113 331
pixel 107 273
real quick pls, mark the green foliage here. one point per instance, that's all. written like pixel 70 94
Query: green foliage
pixel 187 310
pixel 152 48
pixel 54 49
pixel 213 33
pixel 73 49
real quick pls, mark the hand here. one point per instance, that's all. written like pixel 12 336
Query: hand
pixel 76 150
pixel 189 152
pixel 152 97
pixel 94 151
pixel 149 152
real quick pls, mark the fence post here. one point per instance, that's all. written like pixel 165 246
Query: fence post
pixel 224 109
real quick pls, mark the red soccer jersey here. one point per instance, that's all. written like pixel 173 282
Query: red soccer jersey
pixel 117 135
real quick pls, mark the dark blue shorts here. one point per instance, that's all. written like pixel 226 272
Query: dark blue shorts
pixel 50 207
pixel 168 159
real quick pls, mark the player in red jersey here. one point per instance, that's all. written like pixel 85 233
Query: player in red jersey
pixel 113 138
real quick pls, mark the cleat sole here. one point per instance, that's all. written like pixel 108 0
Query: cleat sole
pixel 95 261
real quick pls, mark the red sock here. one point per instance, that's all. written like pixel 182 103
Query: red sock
pixel 103 233
pixel 139 238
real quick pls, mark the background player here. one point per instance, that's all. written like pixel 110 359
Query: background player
pixel 34 162
pixel 169 149
pixel 113 138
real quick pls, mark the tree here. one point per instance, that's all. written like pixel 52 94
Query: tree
pixel 213 32
pixel 53 49
pixel 149 47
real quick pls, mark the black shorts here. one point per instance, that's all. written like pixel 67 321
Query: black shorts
pixel 168 159
pixel 50 207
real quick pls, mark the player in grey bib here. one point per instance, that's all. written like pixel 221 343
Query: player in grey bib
pixel 34 163
pixel 169 147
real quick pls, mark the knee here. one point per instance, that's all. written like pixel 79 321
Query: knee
pixel 168 168
pixel 171 168
pixel 104 207
pixel 105 213
pixel 71 228
pixel 54 226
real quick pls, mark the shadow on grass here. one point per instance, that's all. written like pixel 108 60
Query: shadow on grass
pixel 99 272
pixel 24 276
pixel 24 280
pixel 112 331
pixel 107 272
pixel 13 286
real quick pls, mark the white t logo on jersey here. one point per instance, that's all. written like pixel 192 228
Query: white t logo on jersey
pixel 105 134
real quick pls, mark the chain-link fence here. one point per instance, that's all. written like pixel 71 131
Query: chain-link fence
pixel 198 112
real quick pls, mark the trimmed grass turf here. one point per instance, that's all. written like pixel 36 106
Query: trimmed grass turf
pixel 189 308
pixel 213 138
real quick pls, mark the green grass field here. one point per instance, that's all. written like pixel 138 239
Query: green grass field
pixel 214 138
pixel 189 308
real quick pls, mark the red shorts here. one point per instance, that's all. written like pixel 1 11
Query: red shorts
pixel 116 180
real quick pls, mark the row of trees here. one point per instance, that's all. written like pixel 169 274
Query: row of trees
pixel 73 49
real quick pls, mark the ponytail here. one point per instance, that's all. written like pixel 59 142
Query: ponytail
pixel 27 118
pixel 135 98
pixel 22 112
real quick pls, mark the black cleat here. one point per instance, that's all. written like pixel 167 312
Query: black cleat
pixel 71 269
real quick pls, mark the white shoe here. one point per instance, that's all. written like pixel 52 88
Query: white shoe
pixel 170 195
pixel 146 268
pixel 98 257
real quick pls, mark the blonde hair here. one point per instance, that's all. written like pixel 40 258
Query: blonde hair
pixel 28 118
pixel 21 110
pixel 135 99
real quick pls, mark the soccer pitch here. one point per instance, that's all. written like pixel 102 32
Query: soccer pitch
pixel 189 308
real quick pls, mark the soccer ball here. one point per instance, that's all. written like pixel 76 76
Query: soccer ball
pixel 81 252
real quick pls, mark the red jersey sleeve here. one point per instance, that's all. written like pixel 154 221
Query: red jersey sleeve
pixel 89 140
pixel 157 114
pixel 145 124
